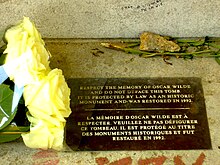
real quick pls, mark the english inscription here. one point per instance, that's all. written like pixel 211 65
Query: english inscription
pixel 137 114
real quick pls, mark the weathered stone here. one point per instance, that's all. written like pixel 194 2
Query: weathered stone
pixel 155 42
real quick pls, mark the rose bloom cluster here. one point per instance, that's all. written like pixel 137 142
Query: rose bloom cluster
pixel 46 93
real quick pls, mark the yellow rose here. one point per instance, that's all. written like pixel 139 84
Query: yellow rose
pixel 51 95
pixel 26 54
pixel 46 93
pixel 44 135
pixel 48 101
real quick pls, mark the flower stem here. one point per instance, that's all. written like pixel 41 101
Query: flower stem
pixel 11 133
pixel 152 54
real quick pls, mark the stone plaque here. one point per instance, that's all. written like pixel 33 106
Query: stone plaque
pixel 137 114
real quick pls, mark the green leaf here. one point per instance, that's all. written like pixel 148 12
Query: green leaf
pixel 6 114
pixel 11 133
pixel 8 137
pixel 2 59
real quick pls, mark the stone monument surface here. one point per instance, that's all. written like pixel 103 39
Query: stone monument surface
pixel 116 19
pixel 121 19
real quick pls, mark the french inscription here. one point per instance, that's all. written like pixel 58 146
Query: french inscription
pixel 155 113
